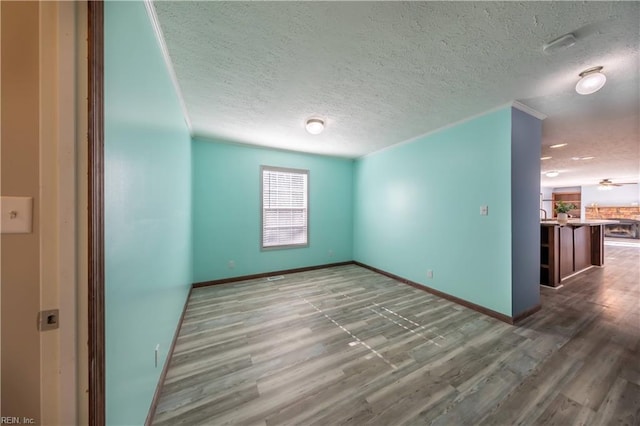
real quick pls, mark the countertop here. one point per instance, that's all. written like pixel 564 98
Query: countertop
pixel 579 222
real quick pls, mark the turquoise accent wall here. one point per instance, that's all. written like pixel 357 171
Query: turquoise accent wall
pixel 178 210
pixel 417 207
pixel 226 210
pixel 147 211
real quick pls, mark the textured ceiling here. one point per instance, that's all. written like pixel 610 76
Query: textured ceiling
pixel 381 73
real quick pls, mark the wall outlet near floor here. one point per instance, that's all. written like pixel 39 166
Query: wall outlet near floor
pixel 430 274
pixel 231 264
pixel 330 253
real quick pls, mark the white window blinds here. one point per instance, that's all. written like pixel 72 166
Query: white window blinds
pixel 284 207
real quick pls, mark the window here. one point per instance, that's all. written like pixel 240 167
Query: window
pixel 284 207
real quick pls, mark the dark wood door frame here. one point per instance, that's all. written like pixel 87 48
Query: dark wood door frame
pixel 96 312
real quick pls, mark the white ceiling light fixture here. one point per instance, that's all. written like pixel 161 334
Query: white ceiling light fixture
pixel 545 158
pixel 558 145
pixel 315 126
pixel 591 80
pixel 552 174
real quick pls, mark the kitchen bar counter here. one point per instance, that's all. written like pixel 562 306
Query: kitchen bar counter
pixel 579 222
pixel 566 251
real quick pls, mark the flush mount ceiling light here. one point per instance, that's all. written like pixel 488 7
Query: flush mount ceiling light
pixel 559 145
pixel 315 126
pixel 545 158
pixel 591 80
pixel 552 173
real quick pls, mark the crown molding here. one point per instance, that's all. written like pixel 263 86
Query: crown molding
pixel 153 17
pixel 524 108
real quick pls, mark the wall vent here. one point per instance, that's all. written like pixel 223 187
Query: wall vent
pixel 276 278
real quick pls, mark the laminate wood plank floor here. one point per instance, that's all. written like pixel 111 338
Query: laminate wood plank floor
pixel 347 346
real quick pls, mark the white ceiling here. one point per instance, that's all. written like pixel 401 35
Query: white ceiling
pixel 381 73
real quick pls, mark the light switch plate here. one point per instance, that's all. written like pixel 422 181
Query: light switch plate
pixel 17 215
pixel 484 210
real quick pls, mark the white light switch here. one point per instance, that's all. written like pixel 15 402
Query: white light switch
pixel 484 210
pixel 17 215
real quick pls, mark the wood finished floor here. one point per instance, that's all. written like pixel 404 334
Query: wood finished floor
pixel 348 346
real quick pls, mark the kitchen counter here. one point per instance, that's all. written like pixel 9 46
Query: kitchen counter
pixel 579 222
pixel 568 250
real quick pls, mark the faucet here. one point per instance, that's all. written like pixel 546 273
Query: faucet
pixel 545 213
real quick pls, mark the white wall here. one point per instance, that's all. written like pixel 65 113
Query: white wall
pixel 547 196
pixel 546 204
pixel 20 165
pixel 626 195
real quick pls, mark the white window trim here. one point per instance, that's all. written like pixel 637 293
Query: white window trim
pixel 286 170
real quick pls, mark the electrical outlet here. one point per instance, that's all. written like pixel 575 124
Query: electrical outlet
pixel 330 253
pixel 430 274
pixel 231 264
pixel 484 210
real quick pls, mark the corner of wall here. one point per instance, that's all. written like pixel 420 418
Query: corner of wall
pixel 526 145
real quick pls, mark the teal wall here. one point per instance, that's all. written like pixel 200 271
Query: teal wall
pixel 177 210
pixel 417 207
pixel 147 211
pixel 226 210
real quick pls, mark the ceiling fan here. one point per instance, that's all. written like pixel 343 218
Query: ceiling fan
pixel 607 182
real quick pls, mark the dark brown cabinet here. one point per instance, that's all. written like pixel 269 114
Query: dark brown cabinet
pixel 567 250
pixel 582 247
pixel 548 255
pixel 566 247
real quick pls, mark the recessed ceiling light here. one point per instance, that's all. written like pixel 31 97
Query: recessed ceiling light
pixel 591 81
pixel 315 126
pixel 552 173
pixel 582 158
pixel 545 158
pixel 559 145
